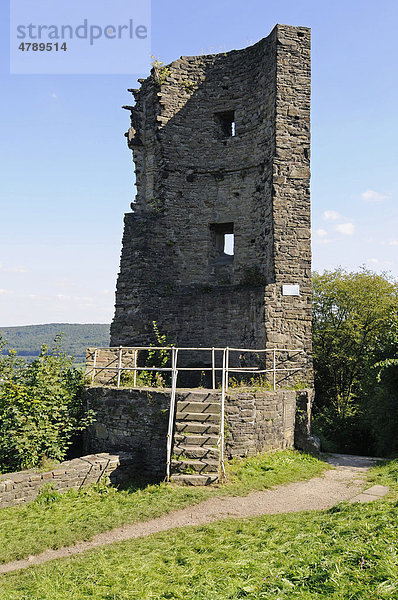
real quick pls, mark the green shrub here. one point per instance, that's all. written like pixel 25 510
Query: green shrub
pixel 41 408
pixel 154 358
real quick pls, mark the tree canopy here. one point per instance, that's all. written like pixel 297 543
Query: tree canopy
pixel 355 341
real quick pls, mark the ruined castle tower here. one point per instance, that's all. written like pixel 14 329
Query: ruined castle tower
pixel 217 246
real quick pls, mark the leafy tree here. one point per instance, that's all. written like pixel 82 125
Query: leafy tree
pixel 41 408
pixel 383 408
pixel 355 327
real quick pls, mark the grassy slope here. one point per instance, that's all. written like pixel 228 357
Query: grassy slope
pixel 346 553
pixel 55 520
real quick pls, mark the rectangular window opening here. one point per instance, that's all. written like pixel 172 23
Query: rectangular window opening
pixel 222 247
pixel 226 123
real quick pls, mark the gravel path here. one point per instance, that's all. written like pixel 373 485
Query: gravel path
pixel 344 482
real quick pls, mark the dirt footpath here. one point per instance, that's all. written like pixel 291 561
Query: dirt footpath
pixel 344 482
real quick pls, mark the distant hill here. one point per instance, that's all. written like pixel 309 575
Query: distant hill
pixel 28 339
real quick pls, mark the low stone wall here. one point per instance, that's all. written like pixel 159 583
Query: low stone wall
pixel 17 488
pixel 136 420
pixel 101 365
pixel 131 419
pixel 259 421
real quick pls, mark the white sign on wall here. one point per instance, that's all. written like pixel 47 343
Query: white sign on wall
pixel 290 290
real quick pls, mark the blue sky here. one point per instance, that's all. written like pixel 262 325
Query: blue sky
pixel 67 175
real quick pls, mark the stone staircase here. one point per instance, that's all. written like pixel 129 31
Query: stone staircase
pixel 196 455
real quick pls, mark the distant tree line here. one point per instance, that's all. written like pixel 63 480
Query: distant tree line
pixel 27 340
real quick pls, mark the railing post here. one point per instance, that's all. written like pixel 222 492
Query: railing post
pixel 172 409
pixel 226 367
pixel 223 381
pixel 274 369
pixel 135 367
pixel 119 366
pixel 94 365
pixel 213 370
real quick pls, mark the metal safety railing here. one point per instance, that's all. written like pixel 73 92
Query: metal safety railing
pixel 116 358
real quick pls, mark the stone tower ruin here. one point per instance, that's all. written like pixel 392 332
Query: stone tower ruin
pixel 216 249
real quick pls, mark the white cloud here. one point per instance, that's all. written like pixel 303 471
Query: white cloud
pixel 54 96
pixel 321 233
pixel 372 196
pixel 381 264
pixel 17 269
pixel 346 228
pixel 331 215
pixel 4 292
pixel 391 242
pixel 81 301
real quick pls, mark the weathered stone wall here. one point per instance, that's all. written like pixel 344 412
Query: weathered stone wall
pixel 24 486
pixel 194 181
pixel 259 421
pixel 288 318
pixel 136 420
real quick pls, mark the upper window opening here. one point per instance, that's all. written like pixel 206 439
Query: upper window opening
pixel 226 123
pixel 222 242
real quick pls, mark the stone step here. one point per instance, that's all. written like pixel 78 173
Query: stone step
pixel 199 407
pixel 195 427
pixel 188 467
pixel 194 479
pixel 196 452
pixel 204 396
pixel 195 440
pixel 202 417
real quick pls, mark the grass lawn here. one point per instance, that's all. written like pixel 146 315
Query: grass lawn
pixel 349 552
pixel 54 520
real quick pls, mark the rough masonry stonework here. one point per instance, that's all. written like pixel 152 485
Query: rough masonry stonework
pixel 221 146
pixel 135 420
